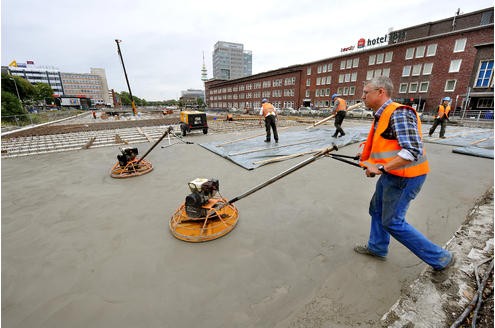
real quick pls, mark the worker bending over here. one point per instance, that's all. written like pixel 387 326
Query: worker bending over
pixel 269 113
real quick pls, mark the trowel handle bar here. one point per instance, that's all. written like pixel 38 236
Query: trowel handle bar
pixel 296 167
pixel 169 129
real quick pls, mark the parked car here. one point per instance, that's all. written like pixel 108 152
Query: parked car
pixel 360 112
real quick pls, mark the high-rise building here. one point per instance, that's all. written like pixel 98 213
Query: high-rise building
pixel 231 61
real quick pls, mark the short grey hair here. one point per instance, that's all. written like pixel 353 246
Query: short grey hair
pixel 382 82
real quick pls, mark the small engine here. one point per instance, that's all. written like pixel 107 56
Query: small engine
pixel 128 154
pixel 202 190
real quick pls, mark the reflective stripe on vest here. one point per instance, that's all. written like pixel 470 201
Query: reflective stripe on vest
pixel 342 104
pixel 380 150
pixel 268 109
pixel 443 110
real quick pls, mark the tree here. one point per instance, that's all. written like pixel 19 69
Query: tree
pixel 42 92
pixel 11 105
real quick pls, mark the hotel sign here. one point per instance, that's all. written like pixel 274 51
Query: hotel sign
pixel 392 37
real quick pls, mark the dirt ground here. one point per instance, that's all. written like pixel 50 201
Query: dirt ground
pixel 82 248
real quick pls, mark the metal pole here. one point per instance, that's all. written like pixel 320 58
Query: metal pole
pixel 169 130
pixel 323 152
pixel 134 111
pixel 466 103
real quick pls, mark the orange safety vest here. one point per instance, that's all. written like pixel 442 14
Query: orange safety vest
pixel 342 104
pixel 380 150
pixel 442 110
pixel 268 109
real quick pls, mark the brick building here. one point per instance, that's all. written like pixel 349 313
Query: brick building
pixel 451 57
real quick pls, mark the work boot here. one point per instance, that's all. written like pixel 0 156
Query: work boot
pixel 363 249
pixel 267 140
pixel 442 137
pixel 334 136
pixel 343 134
pixel 276 140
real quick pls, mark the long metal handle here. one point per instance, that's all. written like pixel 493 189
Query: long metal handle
pixel 321 153
pixel 169 129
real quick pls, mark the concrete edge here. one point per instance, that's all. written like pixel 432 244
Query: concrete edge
pixel 436 299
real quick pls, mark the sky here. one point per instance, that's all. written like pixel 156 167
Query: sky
pixel 163 41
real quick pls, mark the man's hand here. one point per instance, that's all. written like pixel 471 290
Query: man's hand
pixel 372 171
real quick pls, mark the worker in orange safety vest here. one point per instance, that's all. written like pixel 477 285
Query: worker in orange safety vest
pixel 340 107
pixel 442 117
pixel 270 114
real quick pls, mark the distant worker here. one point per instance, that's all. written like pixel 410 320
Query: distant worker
pixel 94 114
pixel 394 152
pixel 339 110
pixel 442 117
pixel 270 114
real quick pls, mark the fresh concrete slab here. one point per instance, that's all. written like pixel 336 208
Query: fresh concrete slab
pixel 82 249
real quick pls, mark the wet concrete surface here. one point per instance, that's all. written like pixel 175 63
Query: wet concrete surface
pixel 82 249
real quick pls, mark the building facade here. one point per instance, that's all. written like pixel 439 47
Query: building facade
pixel 231 61
pixel 92 85
pixel 34 74
pixel 452 57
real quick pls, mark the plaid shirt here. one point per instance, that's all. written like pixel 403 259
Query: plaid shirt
pixel 403 127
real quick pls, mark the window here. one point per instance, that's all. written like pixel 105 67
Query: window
pixel 403 88
pixel 378 72
pixel 388 56
pixel 306 94
pixel 431 50
pixel 349 63
pixel 379 58
pixel 369 75
pixel 354 77
pixel 410 53
pixel 455 65
pixel 319 69
pixel 386 72
pixel 308 71
pixel 341 78
pixel 329 79
pixel 330 66
pixel 413 87
pixel 347 77
pixel 427 68
pixel 355 62
pixel 352 91
pixel 324 70
pixel 420 51
pixel 406 71
pixel 372 60
pixel 460 45
pixel 318 80
pixel 485 74
pixel 308 82
pixel 342 64
pixel 416 70
pixel 423 86
pixel 450 85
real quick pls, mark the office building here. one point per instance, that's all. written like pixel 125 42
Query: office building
pixel 231 61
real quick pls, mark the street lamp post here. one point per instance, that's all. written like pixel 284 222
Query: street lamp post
pixel 18 96
pixel 17 90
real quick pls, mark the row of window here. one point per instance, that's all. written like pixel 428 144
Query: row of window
pixel 251 104
pixel 248 95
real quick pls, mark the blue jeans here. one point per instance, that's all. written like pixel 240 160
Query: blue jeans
pixel 388 209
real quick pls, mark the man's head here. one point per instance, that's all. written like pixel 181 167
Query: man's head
pixel 264 100
pixel 446 100
pixel 335 95
pixel 377 91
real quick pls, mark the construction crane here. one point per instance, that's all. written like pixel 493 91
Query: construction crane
pixel 134 111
